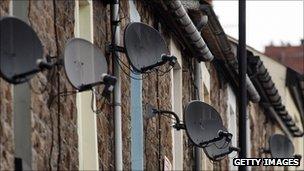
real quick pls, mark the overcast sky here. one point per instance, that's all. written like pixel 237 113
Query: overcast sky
pixel 273 20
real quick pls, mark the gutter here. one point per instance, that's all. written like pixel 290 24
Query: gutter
pixel 272 98
pixel 190 32
pixel 225 47
pixel 273 113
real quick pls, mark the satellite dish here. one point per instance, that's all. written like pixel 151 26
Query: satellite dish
pixel 20 50
pixel 202 122
pixel 205 129
pixel 85 65
pixel 145 47
pixel 280 146
pixel 215 150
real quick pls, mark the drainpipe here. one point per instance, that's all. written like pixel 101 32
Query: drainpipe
pixel 198 80
pixel 242 55
pixel 117 88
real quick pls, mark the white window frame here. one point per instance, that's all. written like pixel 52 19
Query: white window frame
pixel 22 102
pixel 232 124
pixel 86 118
pixel 177 107
pixel 205 94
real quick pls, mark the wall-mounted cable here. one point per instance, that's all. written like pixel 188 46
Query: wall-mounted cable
pixel 159 124
pixel 98 98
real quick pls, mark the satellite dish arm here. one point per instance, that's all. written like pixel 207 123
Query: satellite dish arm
pixel 298 156
pixel 231 149
pixel 178 125
pixel 265 150
pixel 164 58
pixel 221 134
pixel 109 82
pixel 19 76
pixel 42 65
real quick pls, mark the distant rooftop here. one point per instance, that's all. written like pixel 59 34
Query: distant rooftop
pixel 290 56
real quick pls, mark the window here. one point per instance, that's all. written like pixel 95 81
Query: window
pixel 86 118
pixel 205 91
pixel 22 104
pixel 232 124
pixel 177 107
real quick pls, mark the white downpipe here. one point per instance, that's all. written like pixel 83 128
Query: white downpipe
pixel 117 89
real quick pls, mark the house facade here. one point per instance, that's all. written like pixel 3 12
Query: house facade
pixel 46 124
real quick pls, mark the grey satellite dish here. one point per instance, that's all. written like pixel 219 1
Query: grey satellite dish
pixel 202 122
pixel 205 129
pixel 280 146
pixel 20 50
pixel 218 150
pixel 145 47
pixel 85 65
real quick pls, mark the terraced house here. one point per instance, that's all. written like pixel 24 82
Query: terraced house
pixel 47 124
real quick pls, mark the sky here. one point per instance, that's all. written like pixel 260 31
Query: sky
pixel 268 21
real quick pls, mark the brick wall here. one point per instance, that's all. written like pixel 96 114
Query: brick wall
pixel 290 56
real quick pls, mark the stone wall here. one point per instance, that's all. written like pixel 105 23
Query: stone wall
pixel 261 128
pixel 157 92
pixel 6 117
pixel 219 98
pixel 54 130
pixel 54 133
pixel 105 120
pixel 102 37
pixel 188 95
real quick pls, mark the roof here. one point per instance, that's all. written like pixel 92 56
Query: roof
pixel 270 94
pixel 270 97
pixel 290 56
pixel 219 44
